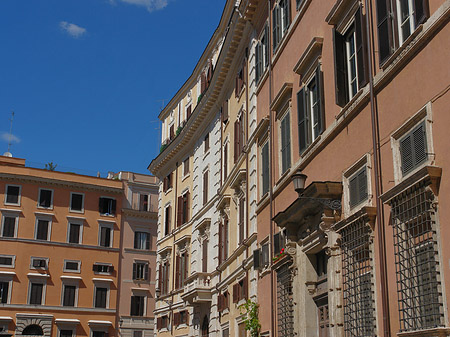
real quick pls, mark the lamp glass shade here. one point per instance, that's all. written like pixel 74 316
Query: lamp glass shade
pixel 299 180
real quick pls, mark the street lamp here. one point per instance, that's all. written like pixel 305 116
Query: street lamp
pixel 299 180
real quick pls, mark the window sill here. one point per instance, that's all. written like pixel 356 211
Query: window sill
pixel 76 212
pixel 262 80
pixel 168 191
pixel 206 154
pixel 311 146
pixel 181 326
pixel 435 332
pixel 46 208
pixel 11 204
pixel 183 178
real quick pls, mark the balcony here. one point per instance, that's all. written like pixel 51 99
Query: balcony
pixel 197 288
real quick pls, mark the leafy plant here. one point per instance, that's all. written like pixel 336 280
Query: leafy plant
pixel 178 130
pixel 163 147
pixel 50 166
pixel 251 320
pixel 199 98
pixel 279 256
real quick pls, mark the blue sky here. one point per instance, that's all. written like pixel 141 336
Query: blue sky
pixel 86 78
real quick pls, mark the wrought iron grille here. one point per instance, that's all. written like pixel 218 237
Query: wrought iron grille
pixel 284 302
pixel 416 259
pixel 357 273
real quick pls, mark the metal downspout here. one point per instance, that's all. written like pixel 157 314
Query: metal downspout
pixel 378 178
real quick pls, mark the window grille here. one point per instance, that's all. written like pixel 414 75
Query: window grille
pixel 284 302
pixel 357 274
pixel 416 259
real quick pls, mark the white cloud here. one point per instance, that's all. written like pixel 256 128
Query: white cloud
pixel 72 29
pixel 151 5
pixel 6 137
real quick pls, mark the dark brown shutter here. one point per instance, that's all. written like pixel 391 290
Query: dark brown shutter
pixel 186 317
pixel 160 279
pixel 205 187
pixel 236 293
pixel 421 11
pixel 189 111
pixel 276 243
pixel 256 259
pixel 134 271
pixel 320 99
pixel 186 267
pixel 340 73
pixel 180 212
pixel 225 111
pixel 241 219
pixel 205 256
pixel 186 214
pixel 101 203
pixel 203 82
pixel 361 49
pixel 384 25
pixel 177 271
pixel 146 272
pixel 176 318
pixel 158 323
pixel 147 241
pixel 236 140
pixel 245 287
pixel 225 238
pixel 165 184
pixel 219 302
pixel 221 227
pixel 302 120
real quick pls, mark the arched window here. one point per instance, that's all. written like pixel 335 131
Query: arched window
pixel 33 329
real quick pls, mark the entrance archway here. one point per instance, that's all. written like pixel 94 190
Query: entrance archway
pixel 33 330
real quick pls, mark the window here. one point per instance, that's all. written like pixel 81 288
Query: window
pixel 65 333
pixel 183 209
pixel 241 223
pixel 279 242
pixel 7 260
pixel 186 167
pixel 413 149
pixel 262 53
pixel 261 257
pixel 285 133
pixel 76 202
pixel 350 60
pixel 39 263
pixel 358 187
pixel 45 198
pixel 310 112
pixel 42 230
pixel 72 266
pixel 181 317
pixel 223 301
pixel 162 322
pixel 281 21
pixel 140 271
pixel 100 297
pixel 137 305
pixel 285 302
pixel 357 277
pixel 142 240
pixel 167 182
pixel 188 111
pixel 74 235
pixel 240 79
pixel 321 264
pixel 167 217
pixel 36 293
pixel 224 112
pixel 240 290
pixel 163 280
pixel 4 291
pixel 144 205
pixel 12 196
pixel 225 161
pixel 69 295
pixel 138 333
pixel 238 136
pixel 182 269
pixel 103 268
pixel 205 187
pixel 223 240
pixel 226 332
pixel 396 20
pixel 97 333
pixel 107 206
pixel 9 224
pixel 105 236
pixel 413 217
pixel 205 256
pixel 265 169
pixel 206 143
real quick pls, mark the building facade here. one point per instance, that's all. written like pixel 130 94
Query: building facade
pixel 138 254
pixel 59 252
pixel 351 96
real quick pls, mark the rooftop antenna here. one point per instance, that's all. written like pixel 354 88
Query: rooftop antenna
pixel 10 130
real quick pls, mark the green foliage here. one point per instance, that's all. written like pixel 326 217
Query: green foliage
pixel 251 320
pixel 163 147
pixel 178 130
pixel 199 98
pixel 50 166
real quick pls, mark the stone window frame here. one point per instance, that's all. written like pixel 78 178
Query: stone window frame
pixel 10 214
pixel 9 279
pixel 75 221
pixel 70 282
pixel 19 197
pixel 424 115
pixel 45 217
pixel 37 280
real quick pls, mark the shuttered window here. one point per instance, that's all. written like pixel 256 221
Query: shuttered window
pixel 358 187
pixel 281 20
pixel 105 236
pixel 223 240
pixel 74 233
pixel 413 149
pixel 4 289
pixel 265 169
pixel 76 202
pixel 9 226
pixel 262 53
pixel 45 198
pixel 285 131
pixel 107 206
pixel 141 240
pixel 205 187
pixel 140 271
pixel 241 220
pixel 137 305
pixel 311 118
pixel 12 194
pixel 42 229
pixel 69 295
pixel 205 256
pixel 168 211
pixel 100 297
pixel 36 293
pixel 225 161
pixel 350 60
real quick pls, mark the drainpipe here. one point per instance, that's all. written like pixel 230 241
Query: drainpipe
pixel 272 312
pixel 378 178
